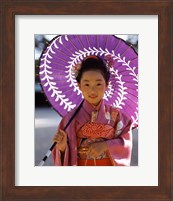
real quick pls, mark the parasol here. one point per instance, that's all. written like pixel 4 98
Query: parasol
pixel 57 75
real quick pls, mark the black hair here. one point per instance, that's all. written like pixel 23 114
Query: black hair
pixel 94 63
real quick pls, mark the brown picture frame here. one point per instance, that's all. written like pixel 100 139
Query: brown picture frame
pixel 8 10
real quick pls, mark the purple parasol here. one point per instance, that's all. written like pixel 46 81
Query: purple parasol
pixel 57 75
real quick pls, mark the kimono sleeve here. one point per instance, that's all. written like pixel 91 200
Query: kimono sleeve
pixel 120 148
pixel 57 155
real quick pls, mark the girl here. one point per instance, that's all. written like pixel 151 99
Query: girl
pixel 99 134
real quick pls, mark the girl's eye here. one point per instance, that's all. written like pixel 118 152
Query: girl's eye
pixel 99 84
pixel 86 85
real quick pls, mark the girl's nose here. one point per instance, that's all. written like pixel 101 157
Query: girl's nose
pixel 93 89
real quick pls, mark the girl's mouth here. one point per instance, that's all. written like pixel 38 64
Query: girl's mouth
pixel 93 97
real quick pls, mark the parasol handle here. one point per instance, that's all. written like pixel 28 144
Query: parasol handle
pixel 54 144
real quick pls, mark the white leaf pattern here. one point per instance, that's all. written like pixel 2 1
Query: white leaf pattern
pixel 76 57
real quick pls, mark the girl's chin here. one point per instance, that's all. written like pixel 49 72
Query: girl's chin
pixel 94 102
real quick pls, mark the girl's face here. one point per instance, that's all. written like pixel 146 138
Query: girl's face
pixel 93 86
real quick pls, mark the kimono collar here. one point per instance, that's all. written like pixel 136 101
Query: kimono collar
pixel 90 108
pixel 85 114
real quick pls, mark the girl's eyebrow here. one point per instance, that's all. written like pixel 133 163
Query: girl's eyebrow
pixel 98 80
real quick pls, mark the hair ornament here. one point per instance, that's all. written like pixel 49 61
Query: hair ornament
pixel 76 69
pixel 91 56
pixel 107 58
pixel 109 61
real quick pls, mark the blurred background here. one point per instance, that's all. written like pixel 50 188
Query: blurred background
pixel 47 119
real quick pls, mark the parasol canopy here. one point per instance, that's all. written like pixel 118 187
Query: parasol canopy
pixel 64 52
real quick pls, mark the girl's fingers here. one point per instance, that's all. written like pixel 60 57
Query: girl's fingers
pixel 91 153
pixel 58 139
pixel 95 150
pixel 62 133
pixel 61 139
pixel 60 136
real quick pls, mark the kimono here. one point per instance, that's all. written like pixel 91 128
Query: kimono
pixel 95 124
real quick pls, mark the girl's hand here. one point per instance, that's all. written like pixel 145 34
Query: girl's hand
pixel 96 149
pixel 61 139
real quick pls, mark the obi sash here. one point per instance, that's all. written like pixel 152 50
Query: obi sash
pixel 89 133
